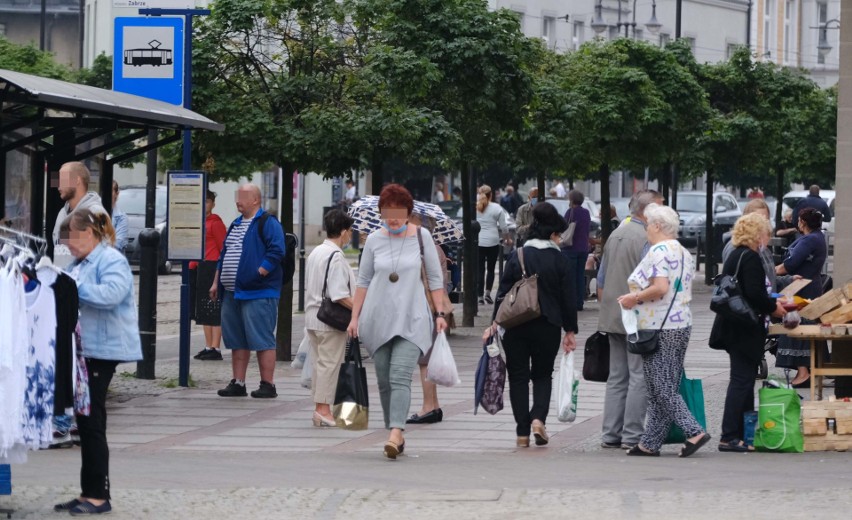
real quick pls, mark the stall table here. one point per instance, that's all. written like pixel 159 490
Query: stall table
pixel 819 367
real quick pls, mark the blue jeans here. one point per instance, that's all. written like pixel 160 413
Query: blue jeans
pixel 249 324
pixel 577 261
pixel 395 362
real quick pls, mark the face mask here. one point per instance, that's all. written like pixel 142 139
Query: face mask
pixel 399 231
pixel 533 200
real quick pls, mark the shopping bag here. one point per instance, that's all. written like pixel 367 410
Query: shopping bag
pixel 306 378
pixel 569 384
pixel 302 353
pixel 490 378
pixel 596 358
pixel 442 367
pixel 692 392
pixel 351 405
pixel 778 419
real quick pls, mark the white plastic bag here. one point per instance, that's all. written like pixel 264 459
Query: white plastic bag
pixel 630 320
pixel 304 347
pixel 307 371
pixel 568 386
pixel 442 367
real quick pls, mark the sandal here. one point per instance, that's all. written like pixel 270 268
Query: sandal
pixel 690 448
pixel 639 452
pixel 735 446
pixel 393 449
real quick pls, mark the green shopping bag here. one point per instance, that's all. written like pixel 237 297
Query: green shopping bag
pixel 778 421
pixel 693 393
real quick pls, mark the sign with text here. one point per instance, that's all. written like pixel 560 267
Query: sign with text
pixel 186 215
pixel 148 58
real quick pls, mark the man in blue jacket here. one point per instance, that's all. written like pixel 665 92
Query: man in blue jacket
pixel 813 200
pixel 249 280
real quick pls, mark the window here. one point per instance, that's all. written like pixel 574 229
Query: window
pixel 638 35
pixel 520 19
pixel 665 39
pixel 789 11
pixel 730 50
pixel 578 37
pixel 822 18
pixel 548 31
pixel 768 26
pixel 2 29
pixel 691 42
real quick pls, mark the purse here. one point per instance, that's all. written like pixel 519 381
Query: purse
pixel 490 378
pixel 351 403
pixel 520 305
pixel 332 313
pixel 596 358
pixel 648 341
pixel 728 300
pixel 567 236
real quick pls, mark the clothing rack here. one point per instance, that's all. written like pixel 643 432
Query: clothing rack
pixel 23 235
pixel 23 241
pixel 6 487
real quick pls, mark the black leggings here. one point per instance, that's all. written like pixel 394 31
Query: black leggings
pixel 94 472
pixel 487 261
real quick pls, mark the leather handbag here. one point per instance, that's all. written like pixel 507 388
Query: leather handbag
pixel 332 313
pixel 351 403
pixel 648 341
pixel 567 237
pixel 728 300
pixel 520 305
pixel 596 358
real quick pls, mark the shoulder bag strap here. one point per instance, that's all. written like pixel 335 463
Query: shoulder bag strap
pixel 521 261
pixel 737 269
pixel 327 267
pixel 677 289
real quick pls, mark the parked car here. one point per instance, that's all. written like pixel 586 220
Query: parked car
pixel 622 207
pixel 692 208
pixel 771 202
pixel 132 202
pixel 792 198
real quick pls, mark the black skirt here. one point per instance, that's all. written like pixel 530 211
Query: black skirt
pixel 207 311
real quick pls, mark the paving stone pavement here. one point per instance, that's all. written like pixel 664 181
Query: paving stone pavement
pixel 187 453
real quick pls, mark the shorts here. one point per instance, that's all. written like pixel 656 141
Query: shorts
pixel 249 324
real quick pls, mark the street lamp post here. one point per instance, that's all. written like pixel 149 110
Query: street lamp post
pixel 599 25
pixel 823 47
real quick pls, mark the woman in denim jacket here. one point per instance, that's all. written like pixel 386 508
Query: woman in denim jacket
pixel 110 336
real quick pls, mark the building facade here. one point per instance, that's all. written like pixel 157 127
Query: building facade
pixel 20 22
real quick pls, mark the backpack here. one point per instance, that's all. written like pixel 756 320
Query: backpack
pixel 291 243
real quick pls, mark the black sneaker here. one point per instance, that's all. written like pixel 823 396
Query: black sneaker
pixel 481 301
pixel 233 390
pixel 488 299
pixel 212 354
pixel 265 391
pixel 200 353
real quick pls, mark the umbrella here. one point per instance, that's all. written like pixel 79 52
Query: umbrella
pixel 365 211
pixel 490 381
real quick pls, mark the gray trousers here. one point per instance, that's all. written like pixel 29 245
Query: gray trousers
pixel 626 396
pixel 395 362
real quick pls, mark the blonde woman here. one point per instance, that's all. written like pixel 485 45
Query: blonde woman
pixel 492 224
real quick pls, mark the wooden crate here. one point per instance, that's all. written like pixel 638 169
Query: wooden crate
pixel 825 303
pixel 815 416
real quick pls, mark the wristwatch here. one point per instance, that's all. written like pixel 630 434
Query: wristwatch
pixel 439 314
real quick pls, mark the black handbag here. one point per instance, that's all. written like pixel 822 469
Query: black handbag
pixel 331 313
pixel 648 341
pixel 351 404
pixel 728 300
pixel 596 358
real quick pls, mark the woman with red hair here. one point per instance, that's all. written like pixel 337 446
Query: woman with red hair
pixel 391 315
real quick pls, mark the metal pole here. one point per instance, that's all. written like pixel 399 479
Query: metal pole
pixel 302 242
pixel 42 37
pixel 149 240
pixel 678 19
pixel 82 30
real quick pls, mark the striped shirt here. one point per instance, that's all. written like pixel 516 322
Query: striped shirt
pixel 233 252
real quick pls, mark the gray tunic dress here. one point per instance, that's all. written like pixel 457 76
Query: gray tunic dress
pixel 397 309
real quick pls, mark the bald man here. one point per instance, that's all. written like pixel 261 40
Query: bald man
pixel 248 280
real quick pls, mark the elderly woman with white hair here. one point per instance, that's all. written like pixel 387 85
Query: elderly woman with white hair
pixel 660 291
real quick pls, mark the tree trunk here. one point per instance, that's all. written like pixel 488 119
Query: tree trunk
pixel 570 183
pixel 665 176
pixel 606 223
pixel 779 196
pixel 284 332
pixel 377 166
pixel 675 186
pixel 542 187
pixel 709 239
pixel 471 231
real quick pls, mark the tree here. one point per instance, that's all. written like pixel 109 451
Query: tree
pixel 30 60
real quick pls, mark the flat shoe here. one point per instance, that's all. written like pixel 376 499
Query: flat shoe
pixel 523 442
pixel 636 451
pixel 88 508
pixel 66 506
pixel 690 448
pixel 392 450
pixel 735 446
pixel 540 434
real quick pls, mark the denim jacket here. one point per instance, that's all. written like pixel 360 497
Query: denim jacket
pixel 108 319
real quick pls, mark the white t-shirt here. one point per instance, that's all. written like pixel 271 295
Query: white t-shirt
pixel 560 190
pixel 664 260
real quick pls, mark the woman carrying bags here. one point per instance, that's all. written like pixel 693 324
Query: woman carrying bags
pixel 328 275
pixel 391 315
pixel 741 339
pixel 531 347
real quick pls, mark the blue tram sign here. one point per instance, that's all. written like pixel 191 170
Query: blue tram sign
pixel 148 58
